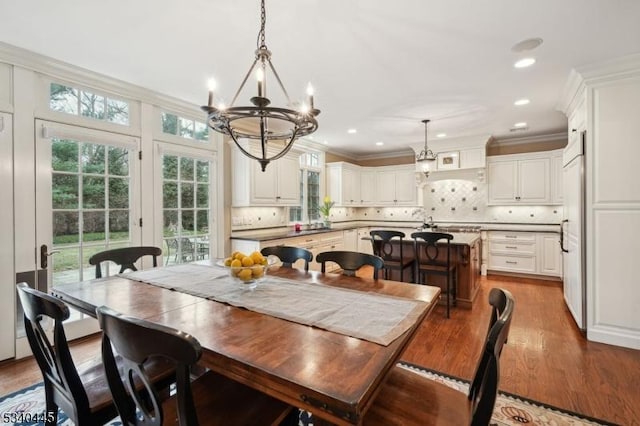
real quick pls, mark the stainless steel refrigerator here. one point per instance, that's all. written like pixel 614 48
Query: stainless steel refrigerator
pixel 573 235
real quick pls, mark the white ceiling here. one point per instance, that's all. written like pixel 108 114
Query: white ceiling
pixel 377 66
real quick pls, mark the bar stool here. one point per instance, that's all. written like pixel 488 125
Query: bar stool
pixel 384 245
pixel 430 260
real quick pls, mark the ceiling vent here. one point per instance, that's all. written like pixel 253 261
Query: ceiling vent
pixel 518 129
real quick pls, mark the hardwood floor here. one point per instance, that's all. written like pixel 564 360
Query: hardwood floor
pixel 546 358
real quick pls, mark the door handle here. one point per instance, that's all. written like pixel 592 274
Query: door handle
pixel 562 236
pixel 44 256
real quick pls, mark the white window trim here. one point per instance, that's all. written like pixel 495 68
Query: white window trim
pixel 160 136
pixel 320 168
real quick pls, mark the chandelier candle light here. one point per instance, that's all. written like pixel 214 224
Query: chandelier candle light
pixel 261 121
pixel 426 159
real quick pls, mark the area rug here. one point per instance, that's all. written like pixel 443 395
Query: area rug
pixel 24 406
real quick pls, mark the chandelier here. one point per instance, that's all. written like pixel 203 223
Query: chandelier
pixel 259 121
pixel 426 159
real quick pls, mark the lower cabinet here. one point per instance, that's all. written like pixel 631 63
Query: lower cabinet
pixel 535 253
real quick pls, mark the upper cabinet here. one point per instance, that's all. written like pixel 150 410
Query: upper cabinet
pixel 278 185
pixel 351 185
pixel 527 179
pixel 395 186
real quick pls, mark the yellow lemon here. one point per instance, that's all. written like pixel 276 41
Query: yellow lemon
pixel 257 257
pixel 257 271
pixel 264 261
pixel 245 274
pixel 235 263
pixel 247 261
pixel 239 256
pixel 227 261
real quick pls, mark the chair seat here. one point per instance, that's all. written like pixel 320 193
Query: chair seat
pixel 222 401
pixel 161 372
pixel 397 263
pixel 397 403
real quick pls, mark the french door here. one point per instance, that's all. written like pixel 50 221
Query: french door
pixel 87 201
pixel 7 277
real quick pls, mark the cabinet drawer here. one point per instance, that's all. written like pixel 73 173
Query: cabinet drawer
pixel 512 236
pixel 512 247
pixel 512 263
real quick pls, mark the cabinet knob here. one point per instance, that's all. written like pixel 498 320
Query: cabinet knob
pixel 574 130
pixel 517 198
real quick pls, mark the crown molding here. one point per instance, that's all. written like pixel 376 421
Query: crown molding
pixel 549 137
pixel 392 154
pixel 36 62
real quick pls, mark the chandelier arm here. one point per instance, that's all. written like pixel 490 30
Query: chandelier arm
pixel 246 77
pixel 275 73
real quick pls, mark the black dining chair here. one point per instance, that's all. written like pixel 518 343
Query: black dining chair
pixel 289 255
pixel 350 261
pixel 124 257
pixel 411 399
pixel 210 399
pixel 433 257
pixel 388 245
pixel 83 396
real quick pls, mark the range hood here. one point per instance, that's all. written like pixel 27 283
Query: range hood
pixel 460 158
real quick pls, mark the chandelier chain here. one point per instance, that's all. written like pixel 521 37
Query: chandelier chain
pixel 263 20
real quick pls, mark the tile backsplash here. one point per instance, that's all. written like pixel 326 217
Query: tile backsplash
pixel 445 200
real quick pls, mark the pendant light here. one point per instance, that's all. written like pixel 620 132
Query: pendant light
pixel 425 161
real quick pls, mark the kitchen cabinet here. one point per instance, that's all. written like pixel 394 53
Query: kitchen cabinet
pixel 350 237
pixel 396 186
pixel 557 179
pixel 364 245
pixel 278 185
pixel 525 253
pixel 368 192
pixel 524 179
pixel 343 183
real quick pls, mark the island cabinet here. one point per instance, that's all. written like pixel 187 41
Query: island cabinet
pixel 465 254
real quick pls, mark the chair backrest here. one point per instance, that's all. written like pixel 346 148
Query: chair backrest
pixel 53 358
pixel 427 247
pixel 289 255
pixel 137 340
pixel 124 257
pixel 484 388
pixel 351 261
pixel 382 246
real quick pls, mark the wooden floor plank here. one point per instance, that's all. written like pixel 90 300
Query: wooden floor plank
pixel 546 358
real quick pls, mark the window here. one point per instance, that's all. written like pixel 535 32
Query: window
pixel 79 102
pixel 310 169
pixel 185 190
pixel 184 127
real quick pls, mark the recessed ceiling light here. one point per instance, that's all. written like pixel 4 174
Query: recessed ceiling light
pixel 525 62
pixel 311 137
pixel 520 124
pixel 352 131
pixel 441 135
pixel 379 143
pixel 325 142
pixel 521 102
pixel 526 45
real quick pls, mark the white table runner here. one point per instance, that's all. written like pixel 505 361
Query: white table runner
pixel 370 316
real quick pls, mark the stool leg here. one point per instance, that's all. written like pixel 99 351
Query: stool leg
pixel 448 294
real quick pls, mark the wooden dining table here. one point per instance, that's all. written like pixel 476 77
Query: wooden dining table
pixel 334 376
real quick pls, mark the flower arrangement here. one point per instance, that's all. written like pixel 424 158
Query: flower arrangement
pixel 325 208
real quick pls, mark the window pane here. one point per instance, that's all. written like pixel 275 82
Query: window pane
pixel 92 158
pixel 64 191
pixel 170 195
pixel 186 169
pixel 91 105
pixel 188 221
pixel 202 196
pixel 295 214
pixel 187 195
pixel 202 225
pixel 64 155
pixel 118 193
pixel 93 192
pixel 202 171
pixel 63 99
pixel 202 132
pixel 169 123
pixel 65 228
pixel 314 160
pixel 170 223
pixel 118 225
pixel 186 128
pixel 67 260
pixel 118 111
pixel 93 226
pixel 118 161
pixel 170 167
pixel 313 195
